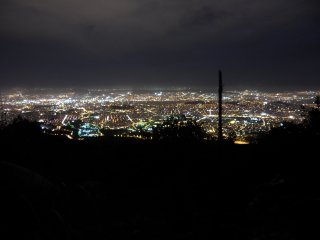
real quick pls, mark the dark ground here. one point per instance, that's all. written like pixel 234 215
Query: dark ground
pixel 58 189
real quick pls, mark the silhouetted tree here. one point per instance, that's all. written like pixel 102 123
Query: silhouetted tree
pixel 173 129
pixel 317 101
pixel 231 137
pixel 312 121
pixel 22 128
pixel 290 133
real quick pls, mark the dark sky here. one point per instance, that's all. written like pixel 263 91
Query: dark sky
pixel 155 43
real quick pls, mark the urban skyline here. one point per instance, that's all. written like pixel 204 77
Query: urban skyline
pixel 117 123
pixel 137 113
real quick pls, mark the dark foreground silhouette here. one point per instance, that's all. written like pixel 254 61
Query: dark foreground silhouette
pixel 54 188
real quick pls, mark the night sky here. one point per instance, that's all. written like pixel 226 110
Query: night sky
pixel 271 44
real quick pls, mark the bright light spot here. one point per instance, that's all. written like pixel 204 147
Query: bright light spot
pixel 241 142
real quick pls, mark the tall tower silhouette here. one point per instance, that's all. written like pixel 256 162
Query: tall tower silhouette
pixel 220 136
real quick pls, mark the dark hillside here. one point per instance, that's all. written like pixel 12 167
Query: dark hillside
pixel 154 189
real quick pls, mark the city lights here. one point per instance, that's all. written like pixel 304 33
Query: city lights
pixel 138 113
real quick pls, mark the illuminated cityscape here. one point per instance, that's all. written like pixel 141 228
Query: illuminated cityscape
pixel 80 114
pixel 159 119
